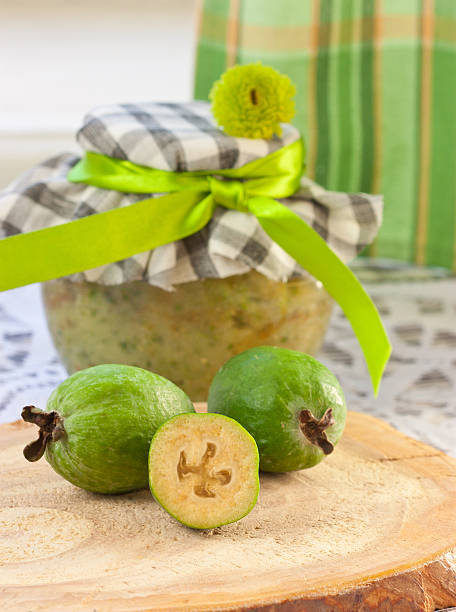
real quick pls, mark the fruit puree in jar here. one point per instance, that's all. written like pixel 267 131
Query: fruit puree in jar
pixel 187 334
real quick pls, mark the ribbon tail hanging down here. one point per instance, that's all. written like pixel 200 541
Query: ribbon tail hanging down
pixel 307 247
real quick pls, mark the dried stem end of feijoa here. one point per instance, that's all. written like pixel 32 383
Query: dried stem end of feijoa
pixel 51 429
pixel 314 429
pixel 203 469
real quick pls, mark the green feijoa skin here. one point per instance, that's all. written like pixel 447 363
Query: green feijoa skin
pixel 203 470
pixel 99 423
pixel 292 405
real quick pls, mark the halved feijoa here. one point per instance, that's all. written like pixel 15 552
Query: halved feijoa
pixel 203 470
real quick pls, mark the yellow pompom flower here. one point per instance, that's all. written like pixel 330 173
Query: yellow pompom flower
pixel 251 101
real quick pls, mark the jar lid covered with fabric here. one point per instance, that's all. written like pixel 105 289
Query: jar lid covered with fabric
pixel 173 245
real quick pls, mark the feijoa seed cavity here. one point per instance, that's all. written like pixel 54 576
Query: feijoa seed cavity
pixel 203 469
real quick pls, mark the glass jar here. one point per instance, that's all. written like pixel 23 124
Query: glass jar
pixel 185 335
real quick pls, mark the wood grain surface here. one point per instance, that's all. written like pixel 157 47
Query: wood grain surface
pixel 372 527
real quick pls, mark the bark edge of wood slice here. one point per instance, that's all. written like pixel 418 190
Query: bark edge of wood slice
pixel 373 527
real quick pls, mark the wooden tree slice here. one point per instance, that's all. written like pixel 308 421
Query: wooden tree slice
pixel 373 527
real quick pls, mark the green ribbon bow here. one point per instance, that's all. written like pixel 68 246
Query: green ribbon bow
pixel 193 196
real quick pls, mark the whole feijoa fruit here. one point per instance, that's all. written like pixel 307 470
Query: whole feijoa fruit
pixel 203 470
pixel 292 405
pixel 99 423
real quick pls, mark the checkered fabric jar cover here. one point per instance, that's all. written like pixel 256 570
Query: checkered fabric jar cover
pixel 183 137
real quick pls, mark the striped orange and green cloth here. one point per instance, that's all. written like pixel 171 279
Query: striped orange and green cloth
pixel 376 101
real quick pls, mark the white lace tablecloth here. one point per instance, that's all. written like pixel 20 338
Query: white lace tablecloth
pixel 417 396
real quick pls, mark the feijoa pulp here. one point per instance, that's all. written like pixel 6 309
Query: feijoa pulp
pixel 203 470
pixel 291 403
pixel 99 423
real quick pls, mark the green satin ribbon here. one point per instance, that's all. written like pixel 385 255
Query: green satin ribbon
pixel 193 196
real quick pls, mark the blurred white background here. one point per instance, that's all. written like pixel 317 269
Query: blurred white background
pixel 59 58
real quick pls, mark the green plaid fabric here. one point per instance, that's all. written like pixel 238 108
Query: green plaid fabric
pixel 376 101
